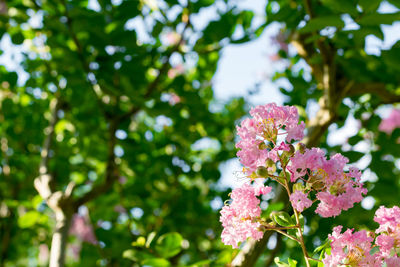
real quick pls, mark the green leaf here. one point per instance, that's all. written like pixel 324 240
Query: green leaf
pixel 224 257
pixel 321 23
pixel 168 245
pixel 17 38
pixel 156 262
pixel 28 219
pixel 322 247
pixel 130 254
pixel 378 18
pixel 201 263
pixel 291 263
pixel 282 218
pixel 341 6
pixel 326 250
pixel 369 5
pixel 353 155
pixel 77 177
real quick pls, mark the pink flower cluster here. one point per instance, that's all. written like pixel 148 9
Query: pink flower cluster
pixel 335 189
pixel 259 134
pixel 354 249
pixel 300 200
pixel 82 228
pixel 349 248
pixel 240 218
pixel 390 123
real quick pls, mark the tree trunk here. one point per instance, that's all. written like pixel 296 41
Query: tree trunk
pixel 59 240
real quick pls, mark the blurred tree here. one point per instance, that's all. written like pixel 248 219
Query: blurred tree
pixel 117 129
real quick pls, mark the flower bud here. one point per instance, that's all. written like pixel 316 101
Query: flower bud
pixel 298 187
pixel 302 148
pixel 262 172
pixel 270 163
pixel 292 149
pixel 262 146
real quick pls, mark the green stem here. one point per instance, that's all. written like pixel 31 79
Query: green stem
pixel 302 244
pixel 296 215
pixel 287 235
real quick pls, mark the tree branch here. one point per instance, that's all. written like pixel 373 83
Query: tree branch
pixel 43 182
pixel 111 169
pixel 377 89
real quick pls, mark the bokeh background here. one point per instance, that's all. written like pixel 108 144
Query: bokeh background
pixel 124 114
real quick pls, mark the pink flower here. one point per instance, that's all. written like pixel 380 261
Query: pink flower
pixel 44 254
pixel 259 134
pixel 239 219
pixel 260 188
pixel 385 244
pixel 281 39
pixel 354 249
pixel 82 228
pixel 313 159
pixel 175 71
pixel 172 38
pixel 389 230
pixel 336 189
pixel 390 123
pixel 393 261
pixel 388 218
pixel 350 249
pixel 300 201
pixel 276 118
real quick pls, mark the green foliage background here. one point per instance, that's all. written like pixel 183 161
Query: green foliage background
pixel 112 90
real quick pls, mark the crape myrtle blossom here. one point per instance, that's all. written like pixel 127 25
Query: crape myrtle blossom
pixel 389 231
pixel 355 248
pixel 300 200
pixel 351 249
pixel 390 123
pixel 259 133
pixel 266 150
pixel 240 218
pixel 336 189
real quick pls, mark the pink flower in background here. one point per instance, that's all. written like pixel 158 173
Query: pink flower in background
pixel 174 99
pixel 44 254
pixel 300 201
pixel 281 39
pixel 81 228
pixel 122 180
pixel 172 38
pixel 390 123
pixel 175 71
pixel 119 209
pixel 239 219
pixel 75 250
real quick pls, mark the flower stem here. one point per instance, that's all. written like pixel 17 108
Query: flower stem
pixel 287 235
pixel 303 246
pixel 299 230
